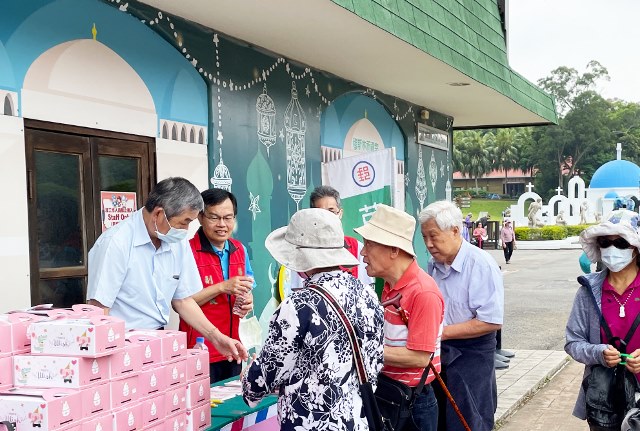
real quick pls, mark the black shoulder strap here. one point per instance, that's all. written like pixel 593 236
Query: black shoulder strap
pixel 355 346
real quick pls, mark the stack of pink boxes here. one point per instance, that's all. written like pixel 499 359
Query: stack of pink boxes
pixel 79 370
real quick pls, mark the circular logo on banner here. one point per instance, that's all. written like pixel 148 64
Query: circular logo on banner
pixel 363 174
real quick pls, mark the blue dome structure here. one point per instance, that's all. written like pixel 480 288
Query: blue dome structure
pixel 616 174
pixel 611 195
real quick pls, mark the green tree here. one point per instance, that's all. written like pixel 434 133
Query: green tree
pixel 473 157
pixel 505 152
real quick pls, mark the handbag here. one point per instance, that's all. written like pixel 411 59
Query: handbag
pixel 369 405
pixel 610 392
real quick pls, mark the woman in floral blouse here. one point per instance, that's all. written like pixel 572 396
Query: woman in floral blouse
pixel 307 358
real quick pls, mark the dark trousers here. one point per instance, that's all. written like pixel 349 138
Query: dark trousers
pixel 223 370
pixel 425 411
pixel 507 248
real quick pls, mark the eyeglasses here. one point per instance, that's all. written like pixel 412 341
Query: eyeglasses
pixel 215 219
pixel 620 243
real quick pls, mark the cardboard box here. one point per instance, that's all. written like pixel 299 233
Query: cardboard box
pixel 16 340
pixel 152 380
pixel 59 371
pixel 173 343
pixel 197 364
pixel 99 423
pixel 176 373
pixel 153 410
pixel 47 409
pixel 6 372
pixel 198 392
pixel 124 391
pixel 176 422
pixel 93 336
pixel 126 360
pixel 176 400
pixel 96 400
pixel 152 347
pixel 199 418
pixel 127 418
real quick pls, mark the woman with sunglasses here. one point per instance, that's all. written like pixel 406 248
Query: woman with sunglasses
pixel 616 291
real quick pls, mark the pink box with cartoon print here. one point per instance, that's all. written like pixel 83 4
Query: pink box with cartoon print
pixel 176 400
pixel 173 343
pixel 96 400
pixel 126 360
pixel 127 418
pixel 198 392
pixel 153 410
pixel 124 391
pixel 199 418
pixel 197 364
pixel 176 372
pixel 99 423
pixel 92 336
pixel 6 372
pixel 176 422
pixel 152 380
pixel 14 333
pixel 47 409
pixel 151 347
pixel 59 371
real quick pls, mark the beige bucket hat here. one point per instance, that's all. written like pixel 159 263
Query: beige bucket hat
pixel 313 239
pixel 620 222
pixel 391 227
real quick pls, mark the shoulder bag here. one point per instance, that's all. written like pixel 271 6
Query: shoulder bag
pixel 610 392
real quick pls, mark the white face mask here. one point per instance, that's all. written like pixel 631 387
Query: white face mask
pixel 615 259
pixel 174 235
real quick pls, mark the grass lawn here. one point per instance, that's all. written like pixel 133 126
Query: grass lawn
pixel 493 206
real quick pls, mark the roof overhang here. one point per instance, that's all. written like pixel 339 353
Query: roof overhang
pixel 327 37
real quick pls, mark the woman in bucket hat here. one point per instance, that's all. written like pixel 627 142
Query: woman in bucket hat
pixel 307 357
pixel 616 290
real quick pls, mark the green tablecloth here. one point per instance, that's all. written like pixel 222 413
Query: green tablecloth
pixel 234 408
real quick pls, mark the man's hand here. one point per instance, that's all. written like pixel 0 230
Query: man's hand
pixel 238 285
pixel 232 349
pixel 247 305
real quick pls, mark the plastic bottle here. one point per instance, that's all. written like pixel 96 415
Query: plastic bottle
pixel 200 344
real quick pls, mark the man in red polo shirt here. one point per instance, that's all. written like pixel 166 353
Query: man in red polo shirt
pixel 388 253
pixel 226 275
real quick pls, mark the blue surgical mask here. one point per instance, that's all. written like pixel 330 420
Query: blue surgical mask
pixel 174 235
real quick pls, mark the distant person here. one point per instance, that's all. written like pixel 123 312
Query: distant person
pixel 479 234
pixel 508 239
pixel 307 358
pixel 143 267
pixel 471 284
pixel 468 227
pixel 616 244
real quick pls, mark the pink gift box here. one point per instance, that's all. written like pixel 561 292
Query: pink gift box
pixel 15 339
pixel 151 347
pixel 175 400
pixel 127 418
pixel 199 418
pixel 152 380
pixel 153 410
pixel 198 392
pixel 176 422
pixel 6 372
pixel 96 400
pixel 176 373
pixel 92 336
pixel 124 391
pixel 197 364
pixel 99 423
pixel 173 343
pixel 126 360
pixel 47 409
pixel 59 371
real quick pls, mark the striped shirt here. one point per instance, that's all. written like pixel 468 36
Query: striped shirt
pixel 424 306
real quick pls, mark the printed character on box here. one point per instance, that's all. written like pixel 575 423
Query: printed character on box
pixel 36 418
pixel 83 341
pixel 23 374
pixel 67 374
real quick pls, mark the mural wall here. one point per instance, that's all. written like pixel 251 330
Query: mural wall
pixel 268 122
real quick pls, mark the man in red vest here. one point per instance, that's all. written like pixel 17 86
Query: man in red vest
pixel 328 198
pixel 226 275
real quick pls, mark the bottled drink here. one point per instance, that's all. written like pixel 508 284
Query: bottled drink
pixel 200 344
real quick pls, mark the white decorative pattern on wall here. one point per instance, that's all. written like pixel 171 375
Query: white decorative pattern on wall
pixel 183 132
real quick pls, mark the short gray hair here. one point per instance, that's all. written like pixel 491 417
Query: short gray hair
pixel 324 192
pixel 446 214
pixel 175 195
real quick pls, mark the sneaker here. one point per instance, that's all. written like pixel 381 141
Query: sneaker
pixel 501 358
pixel 499 365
